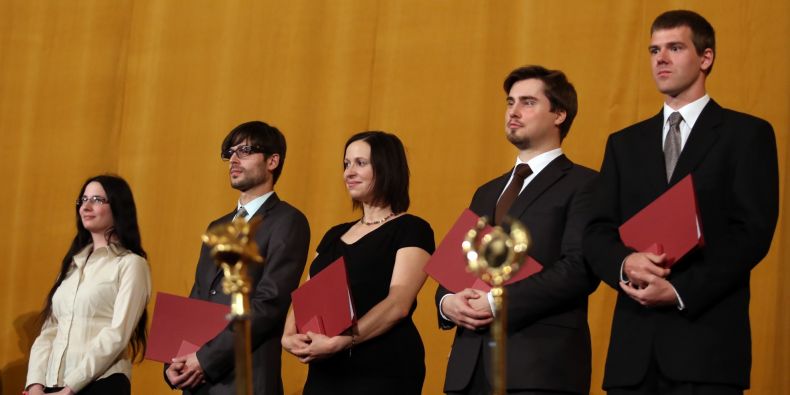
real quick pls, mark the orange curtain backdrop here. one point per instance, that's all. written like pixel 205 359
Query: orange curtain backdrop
pixel 147 89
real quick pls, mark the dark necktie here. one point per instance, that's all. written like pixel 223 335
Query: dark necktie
pixel 672 143
pixel 511 192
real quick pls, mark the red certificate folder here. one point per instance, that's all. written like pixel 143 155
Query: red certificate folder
pixel 181 325
pixel 670 224
pixel 323 304
pixel 448 263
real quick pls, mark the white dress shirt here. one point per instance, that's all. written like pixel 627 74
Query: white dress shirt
pixel 690 112
pixel 253 205
pixel 94 313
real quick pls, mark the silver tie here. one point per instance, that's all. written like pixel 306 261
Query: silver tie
pixel 241 213
pixel 672 143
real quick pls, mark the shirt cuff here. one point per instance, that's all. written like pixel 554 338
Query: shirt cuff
pixel 491 303
pixel 441 313
pixel 681 306
pixel 623 277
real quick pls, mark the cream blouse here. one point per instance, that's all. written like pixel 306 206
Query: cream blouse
pixel 94 312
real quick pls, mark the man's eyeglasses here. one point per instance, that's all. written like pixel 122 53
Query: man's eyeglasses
pixel 93 199
pixel 242 151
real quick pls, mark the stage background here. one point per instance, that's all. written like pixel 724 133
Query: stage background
pixel 147 89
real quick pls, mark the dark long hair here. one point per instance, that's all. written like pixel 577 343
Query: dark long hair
pixel 127 233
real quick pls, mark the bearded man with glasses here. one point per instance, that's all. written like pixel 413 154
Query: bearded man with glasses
pixel 255 152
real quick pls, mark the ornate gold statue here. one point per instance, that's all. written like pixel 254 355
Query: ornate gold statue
pixel 495 258
pixel 233 249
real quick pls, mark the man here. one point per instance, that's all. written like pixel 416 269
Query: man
pixel 256 153
pixel 685 330
pixel 548 343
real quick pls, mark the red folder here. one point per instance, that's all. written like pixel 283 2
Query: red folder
pixel 182 325
pixel 448 263
pixel 323 304
pixel 670 224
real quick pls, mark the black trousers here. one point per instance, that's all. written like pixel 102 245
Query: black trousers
pixel 655 383
pixel 116 384
pixel 479 385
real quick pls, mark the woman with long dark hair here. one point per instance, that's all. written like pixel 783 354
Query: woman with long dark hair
pixel 384 252
pixel 93 324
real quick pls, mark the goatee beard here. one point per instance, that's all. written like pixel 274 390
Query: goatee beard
pixel 520 143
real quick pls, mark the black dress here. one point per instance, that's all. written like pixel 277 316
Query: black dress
pixel 393 362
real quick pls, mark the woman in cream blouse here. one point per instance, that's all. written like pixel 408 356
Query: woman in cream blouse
pixel 95 314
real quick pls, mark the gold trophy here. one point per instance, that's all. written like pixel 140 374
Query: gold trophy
pixel 495 258
pixel 233 249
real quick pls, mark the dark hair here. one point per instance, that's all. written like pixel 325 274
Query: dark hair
pixel 125 230
pixel 390 169
pixel 268 138
pixel 556 87
pixel 702 34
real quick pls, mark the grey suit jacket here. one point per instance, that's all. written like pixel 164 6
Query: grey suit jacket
pixel 283 238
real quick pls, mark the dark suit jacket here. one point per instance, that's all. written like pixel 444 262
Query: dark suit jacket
pixel 732 159
pixel 283 238
pixel 548 345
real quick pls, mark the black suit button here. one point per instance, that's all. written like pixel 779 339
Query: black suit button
pixel 213 292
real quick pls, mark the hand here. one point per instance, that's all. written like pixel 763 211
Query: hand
pixel 658 293
pixel 322 346
pixel 36 389
pixel 65 391
pixel 188 373
pixel 296 344
pixel 459 310
pixel 642 268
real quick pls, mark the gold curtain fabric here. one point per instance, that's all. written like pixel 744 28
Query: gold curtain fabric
pixel 148 89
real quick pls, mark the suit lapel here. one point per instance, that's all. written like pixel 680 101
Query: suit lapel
pixel 701 139
pixel 650 147
pixel 546 178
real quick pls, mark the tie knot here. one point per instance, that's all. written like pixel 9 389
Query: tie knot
pixel 241 213
pixel 522 171
pixel 674 119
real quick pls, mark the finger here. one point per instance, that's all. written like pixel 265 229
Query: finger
pixel 179 379
pixel 194 380
pixel 630 291
pixel 469 312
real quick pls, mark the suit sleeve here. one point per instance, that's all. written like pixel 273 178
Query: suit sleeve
pixel 285 254
pixel 563 283
pixel 601 243
pixel 751 212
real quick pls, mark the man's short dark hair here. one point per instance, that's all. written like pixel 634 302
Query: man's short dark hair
pixel 556 87
pixel 702 34
pixel 390 169
pixel 262 135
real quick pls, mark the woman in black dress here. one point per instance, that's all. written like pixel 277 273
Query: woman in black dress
pixel 385 252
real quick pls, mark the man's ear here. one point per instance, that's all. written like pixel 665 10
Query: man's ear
pixel 272 162
pixel 707 59
pixel 561 115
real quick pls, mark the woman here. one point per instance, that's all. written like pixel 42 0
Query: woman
pixel 385 252
pixel 96 309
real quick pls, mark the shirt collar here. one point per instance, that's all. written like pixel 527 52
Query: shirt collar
pixel 81 257
pixel 690 112
pixel 541 161
pixel 254 205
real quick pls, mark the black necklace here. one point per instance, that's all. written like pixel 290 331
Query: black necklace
pixel 378 221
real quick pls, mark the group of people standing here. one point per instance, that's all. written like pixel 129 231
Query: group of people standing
pixel 678 331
